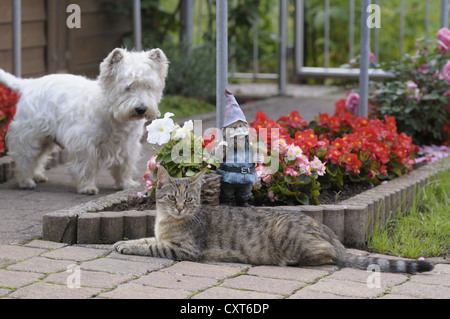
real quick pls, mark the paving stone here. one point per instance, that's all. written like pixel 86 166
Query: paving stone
pixel 4 292
pixel 262 284
pixel 42 290
pixel 175 281
pixel 44 244
pixel 90 278
pixel 362 276
pixel 17 253
pixel 118 266
pixel 308 294
pixel 420 290
pixel 228 293
pixel 15 279
pixel 432 279
pixel 42 265
pixel 134 291
pixel 395 296
pixel 345 288
pixel 441 269
pixel 202 270
pixel 76 253
pixel 160 262
pixel 292 273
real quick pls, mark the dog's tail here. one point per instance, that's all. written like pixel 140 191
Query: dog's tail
pixel 10 81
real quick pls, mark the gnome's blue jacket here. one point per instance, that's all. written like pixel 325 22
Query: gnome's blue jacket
pixel 241 162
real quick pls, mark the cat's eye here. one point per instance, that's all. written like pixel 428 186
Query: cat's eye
pixel 171 197
pixel 188 199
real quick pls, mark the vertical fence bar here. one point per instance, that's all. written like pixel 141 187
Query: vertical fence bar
pixel 187 18
pixel 364 64
pixel 17 37
pixel 427 19
pixel 221 59
pixel 352 30
pixel 255 48
pixel 402 26
pixel 282 59
pixel 327 35
pixel 137 25
pixel 299 34
pixel 444 14
pixel 377 39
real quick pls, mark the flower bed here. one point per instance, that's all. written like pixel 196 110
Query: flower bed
pixel 8 101
pixel 328 153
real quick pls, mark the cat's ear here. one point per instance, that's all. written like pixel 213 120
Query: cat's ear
pixel 197 179
pixel 163 177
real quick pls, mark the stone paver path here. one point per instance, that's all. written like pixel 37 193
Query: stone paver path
pixel 41 270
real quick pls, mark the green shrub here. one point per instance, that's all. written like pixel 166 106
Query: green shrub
pixel 417 96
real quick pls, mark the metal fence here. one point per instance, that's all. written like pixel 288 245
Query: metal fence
pixel 363 73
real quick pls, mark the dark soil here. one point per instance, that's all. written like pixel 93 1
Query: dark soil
pixel 327 196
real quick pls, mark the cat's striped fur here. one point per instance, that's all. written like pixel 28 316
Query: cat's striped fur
pixel 186 230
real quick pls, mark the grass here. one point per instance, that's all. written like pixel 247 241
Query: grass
pixel 425 231
pixel 184 107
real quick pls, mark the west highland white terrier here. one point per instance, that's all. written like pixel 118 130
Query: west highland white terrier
pixel 98 122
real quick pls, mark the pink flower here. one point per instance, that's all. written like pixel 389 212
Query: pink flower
pixel 318 166
pixel 290 171
pixel 272 196
pixel 372 57
pixel 282 146
pixel 292 153
pixel 352 103
pixel 412 91
pixel 152 165
pixel 446 73
pixel 443 36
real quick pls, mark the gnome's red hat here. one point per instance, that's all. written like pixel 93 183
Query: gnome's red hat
pixel 233 112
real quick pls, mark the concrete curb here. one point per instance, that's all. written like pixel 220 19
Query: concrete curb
pixel 351 219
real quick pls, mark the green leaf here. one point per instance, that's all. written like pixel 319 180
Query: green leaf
pixel 302 199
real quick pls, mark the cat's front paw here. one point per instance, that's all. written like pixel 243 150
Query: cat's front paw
pixel 121 247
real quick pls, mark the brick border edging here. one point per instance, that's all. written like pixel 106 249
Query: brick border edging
pixel 351 220
pixel 7 165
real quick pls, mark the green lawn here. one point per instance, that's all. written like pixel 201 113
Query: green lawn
pixel 184 107
pixel 425 232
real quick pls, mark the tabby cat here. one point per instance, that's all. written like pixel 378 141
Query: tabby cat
pixel 186 230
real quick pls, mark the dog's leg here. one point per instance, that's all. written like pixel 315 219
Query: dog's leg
pixel 26 150
pixel 123 175
pixel 84 172
pixel 41 162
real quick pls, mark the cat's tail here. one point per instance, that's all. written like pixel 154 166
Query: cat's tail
pixel 383 264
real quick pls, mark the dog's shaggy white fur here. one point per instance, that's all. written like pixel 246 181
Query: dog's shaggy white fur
pixel 98 122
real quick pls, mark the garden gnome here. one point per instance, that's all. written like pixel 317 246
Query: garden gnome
pixel 237 155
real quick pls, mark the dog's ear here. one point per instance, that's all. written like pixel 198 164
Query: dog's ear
pixel 115 57
pixel 158 56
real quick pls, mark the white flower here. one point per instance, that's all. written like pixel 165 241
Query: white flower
pixel 318 166
pixel 293 152
pixel 185 131
pixel 159 130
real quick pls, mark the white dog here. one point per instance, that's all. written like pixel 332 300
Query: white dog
pixel 98 122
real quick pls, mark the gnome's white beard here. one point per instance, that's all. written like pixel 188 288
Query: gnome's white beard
pixel 238 131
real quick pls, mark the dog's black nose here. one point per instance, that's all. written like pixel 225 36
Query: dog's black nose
pixel 141 110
